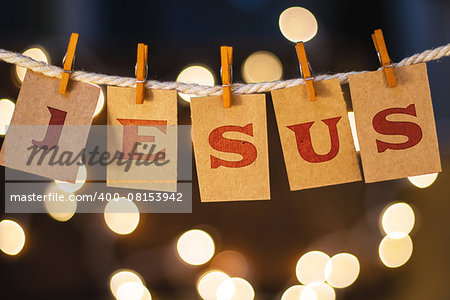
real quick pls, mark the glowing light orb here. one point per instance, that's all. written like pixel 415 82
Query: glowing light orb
pixel 38 54
pixel 60 210
pixel 351 119
pixel 395 252
pixel 262 66
pixel 195 74
pixel 123 276
pixel 299 292
pixel 323 291
pixel 342 270
pixel 195 247
pixel 6 113
pixel 311 267
pixel 298 24
pixel 398 220
pixel 208 284
pixel 12 237
pixel 100 102
pixel 235 289
pixel 79 182
pixel 231 262
pixel 130 291
pixel 121 216
pixel 423 181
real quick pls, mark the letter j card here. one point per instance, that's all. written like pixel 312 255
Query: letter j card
pixel 395 126
pixel 230 147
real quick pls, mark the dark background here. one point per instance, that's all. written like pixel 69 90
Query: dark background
pixel 73 260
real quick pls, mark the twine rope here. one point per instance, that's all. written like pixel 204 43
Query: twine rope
pixel 196 89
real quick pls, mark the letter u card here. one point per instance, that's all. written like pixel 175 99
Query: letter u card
pixel 315 136
pixel 395 126
pixel 230 147
pixel 143 137
pixel 48 130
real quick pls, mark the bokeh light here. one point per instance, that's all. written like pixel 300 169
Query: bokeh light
pixel 195 74
pixel 121 277
pixel 231 262
pixel 262 66
pixel 351 119
pixel 100 101
pixel 121 216
pixel 208 284
pixel 395 252
pixel 79 182
pixel 323 291
pixel 423 181
pixel 6 113
pixel 342 270
pixel 131 291
pixel 311 267
pixel 398 220
pixel 12 237
pixel 298 24
pixel 60 210
pixel 35 53
pixel 299 292
pixel 195 247
pixel 235 289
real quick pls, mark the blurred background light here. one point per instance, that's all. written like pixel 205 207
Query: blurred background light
pixel 398 220
pixel 323 291
pixel 235 289
pixel 299 292
pixel 195 247
pixel 231 262
pixel 100 101
pixel 6 113
pixel 60 210
pixel 121 215
pixel 395 252
pixel 298 24
pixel 195 74
pixel 12 237
pixel 36 53
pixel 342 270
pixel 311 267
pixel 423 181
pixel 121 277
pixel 262 66
pixel 351 119
pixel 208 284
pixel 130 291
pixel 79 182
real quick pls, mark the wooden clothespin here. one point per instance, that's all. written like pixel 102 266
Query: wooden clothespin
pixel 68 61
pixel 141 72
pixel 305 70
pixel 226 57
pixel 383 55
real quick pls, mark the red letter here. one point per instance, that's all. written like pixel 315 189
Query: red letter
pixel 409 129
pixel 304 145
pixel 53 130
pixel 219 143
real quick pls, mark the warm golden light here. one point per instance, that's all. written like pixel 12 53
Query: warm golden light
pixel 121 277
pixel 60 210
pixel 6 113
pixel 231 262
pixel 398 220
pixel 121 216
pixel 195 247
pixel 342 270
pixel 38 54
pixel 208 284
pixel 100 102
pixel 299 292
pixel 351 119
pixel 130 291
pixel 195 74
pixel 298 24
pixel 423 181
pixel 12 237
pixel 395 252
pixel 235 289
pixel 79 182
pixel 311 267
pixel 262 66
pixel 323 291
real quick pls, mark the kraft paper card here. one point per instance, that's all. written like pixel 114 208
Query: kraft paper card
pixel 315 136
pixel 395 126
pixel 230 147
pixel 49 130
pixel 146 135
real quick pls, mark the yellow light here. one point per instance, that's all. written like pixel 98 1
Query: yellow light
pixel 298 24
pixel 342 270
pixel 398 220
pixel 235 289
pixel 262 66
pixel 299 292
pixel 130 291
pixel 38 54
pixel 121 216
pixel 351 119
pixel 195 74
pixel 208 284
pixel 395 252
pixel 195 247
pixel 100 102
pixel 12 237
pixel 79 182
pixel 323 291
pixel 123 276
pixel 311 267
pixel 423 181
pixel 6 113
pixel 60 210
pixel 231 262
